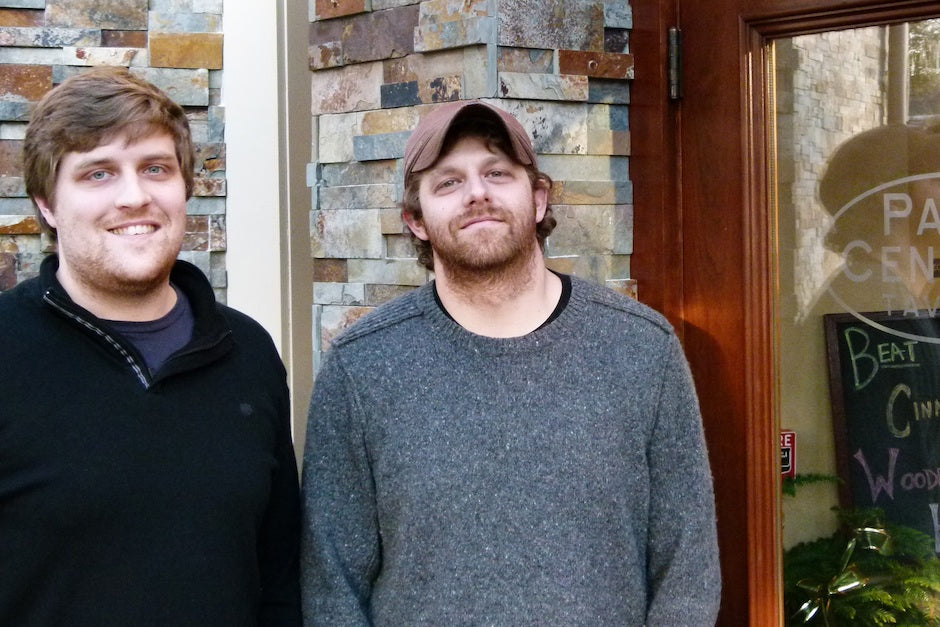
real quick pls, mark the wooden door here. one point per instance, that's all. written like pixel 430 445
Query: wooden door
pixel 703 232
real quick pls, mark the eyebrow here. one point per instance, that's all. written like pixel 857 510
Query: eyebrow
pixel 489 161
pixel 95 162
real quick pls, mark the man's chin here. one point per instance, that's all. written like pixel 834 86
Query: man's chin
pixel 486 262
pixel 144 280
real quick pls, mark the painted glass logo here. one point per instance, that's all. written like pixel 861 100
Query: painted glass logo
pixel 889 243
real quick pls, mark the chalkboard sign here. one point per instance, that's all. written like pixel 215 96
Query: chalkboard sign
pixel 884 379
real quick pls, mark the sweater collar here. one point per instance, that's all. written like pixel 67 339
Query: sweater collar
pixel 210 325
pixel 443 323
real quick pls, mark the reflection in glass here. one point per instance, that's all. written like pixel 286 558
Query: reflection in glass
pixel 857 129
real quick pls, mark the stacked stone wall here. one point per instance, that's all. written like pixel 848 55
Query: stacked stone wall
pixel 176 44
pixel 563 67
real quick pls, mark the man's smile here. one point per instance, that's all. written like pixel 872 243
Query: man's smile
pixel 134 229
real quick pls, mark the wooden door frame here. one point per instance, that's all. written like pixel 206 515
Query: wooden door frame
pixel 729 299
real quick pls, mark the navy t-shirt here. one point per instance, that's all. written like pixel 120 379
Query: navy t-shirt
pixel 158 339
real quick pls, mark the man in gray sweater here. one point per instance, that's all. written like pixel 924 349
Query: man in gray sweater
pixel 504 445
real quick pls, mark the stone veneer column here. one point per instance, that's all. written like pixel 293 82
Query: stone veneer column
pixel 561 66
pixel 176 44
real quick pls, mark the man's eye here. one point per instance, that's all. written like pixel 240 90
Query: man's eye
pixel 155 169
pixel 446 183
pixel 98 175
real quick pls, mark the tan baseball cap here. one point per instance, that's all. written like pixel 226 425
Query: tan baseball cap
pixel 424 145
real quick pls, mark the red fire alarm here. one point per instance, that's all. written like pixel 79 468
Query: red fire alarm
pixel 788 453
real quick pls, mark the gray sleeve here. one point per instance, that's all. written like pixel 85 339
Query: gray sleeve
pixel 684 575
pixel 340 541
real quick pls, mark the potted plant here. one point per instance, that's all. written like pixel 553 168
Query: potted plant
pixel 868 572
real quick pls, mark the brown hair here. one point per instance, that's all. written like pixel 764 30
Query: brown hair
pixel 92 108
pixel 487 129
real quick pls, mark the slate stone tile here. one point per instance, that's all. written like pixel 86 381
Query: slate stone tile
pixel 22 17
pixel 186 50
pixel 440 35
pixel 376 295
pixel 325 55
pixel 16 206
pixel 346 233
pixel 329 270
pixel 616 40
pixel 526 60
pixel 552 24
pixel 24 83
pixel 399 95
pixel 7 271
pixel 358 173
pixel 19 225
pixel 188 87
pixel 384 146
pixel 12 187
pixel 124 38
pixel 352 88
pixel 196 237
pixel 386 271
pixel 380 35
pixel 203 186
pixel 104 14
pixel 24 4
pixel 10 164
pixel 218 240
pixel 608 91
pixel 388 121
pixel 90 55
pixel 619 118
pixel 184 21
pixel 443 89
pixel 208 6
pixel 48 37
pixel 334 319
pixel 519 85
pixel 595 64
pixel 339 294
pixel 618 15
pixel 380 5
pixel 328 9
pixel 358 198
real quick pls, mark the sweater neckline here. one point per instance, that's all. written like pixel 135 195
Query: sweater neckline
pixel 462 338
pixel 559 306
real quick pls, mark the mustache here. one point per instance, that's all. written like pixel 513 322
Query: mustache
pixel 487 211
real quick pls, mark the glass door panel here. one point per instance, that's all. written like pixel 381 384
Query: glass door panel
pixel 857 186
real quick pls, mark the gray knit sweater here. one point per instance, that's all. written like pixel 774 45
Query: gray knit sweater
pixel 558 478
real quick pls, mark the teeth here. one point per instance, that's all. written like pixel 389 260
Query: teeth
pixel 135 229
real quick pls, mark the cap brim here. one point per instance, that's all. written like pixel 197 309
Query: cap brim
pixel 424 146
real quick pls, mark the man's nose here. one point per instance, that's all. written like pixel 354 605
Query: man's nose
pixel 475 189
pixel 132 192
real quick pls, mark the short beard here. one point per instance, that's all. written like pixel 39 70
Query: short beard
pixel 504 264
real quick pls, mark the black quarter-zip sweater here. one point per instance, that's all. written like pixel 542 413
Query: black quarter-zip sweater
pixel 131 498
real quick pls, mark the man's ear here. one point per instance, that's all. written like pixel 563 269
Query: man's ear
pixel 46 211
pixel 416 225
pixel 540 198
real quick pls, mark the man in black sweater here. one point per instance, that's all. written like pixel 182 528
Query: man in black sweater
pixel 147 475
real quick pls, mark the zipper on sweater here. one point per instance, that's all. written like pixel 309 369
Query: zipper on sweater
pixel 168 369
pixel 139 371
